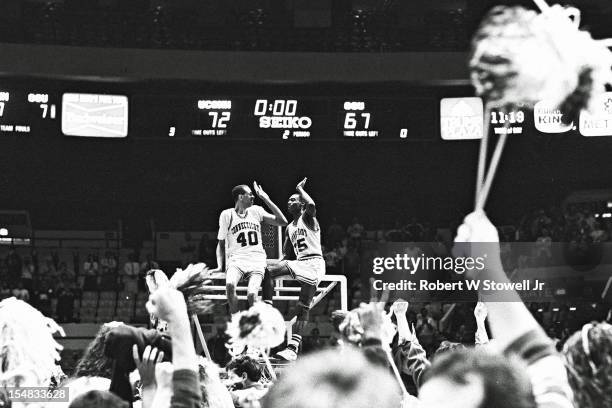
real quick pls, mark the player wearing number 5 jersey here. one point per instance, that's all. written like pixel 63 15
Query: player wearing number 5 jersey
pixel 240 241
pixel 303 240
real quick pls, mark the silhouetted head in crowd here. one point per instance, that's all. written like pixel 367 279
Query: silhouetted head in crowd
pixel 474 378
pixel 588 358
pixel 334 379
pixel 94 362
pixel 98 399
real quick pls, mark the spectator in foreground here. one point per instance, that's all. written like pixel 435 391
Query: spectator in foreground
pixel 245 375
pixel 169 305
pixel 531 372
pixel 588 359
pixel 334 379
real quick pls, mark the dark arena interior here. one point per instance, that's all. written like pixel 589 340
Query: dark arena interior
pixel 128 127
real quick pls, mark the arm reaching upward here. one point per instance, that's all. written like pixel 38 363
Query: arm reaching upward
pixel 399 309
pixel 309 204
pixel 509 320
pixel 480 313
pixel 277 217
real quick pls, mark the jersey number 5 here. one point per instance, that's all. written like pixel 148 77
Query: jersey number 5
pixel 252 238
pixel 301 245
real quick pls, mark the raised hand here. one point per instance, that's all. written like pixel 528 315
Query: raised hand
pixel 480 312
pixel 372 315
pixel 301 184
pixel 167 304
pixel 399 307
pixel 476 227
pixel 477 237
pixel 146 365
pixel 259 191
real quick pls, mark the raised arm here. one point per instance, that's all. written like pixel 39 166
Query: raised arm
pixel 277 217
pixel 169 304
pixel 309 204
pixel 399 309
pixel 512 325
pixel 510 319
pixel 480 313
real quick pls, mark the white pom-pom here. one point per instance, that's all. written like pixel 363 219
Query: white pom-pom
pixel 520 57
pixel 260 327
pixel 28 351
pixel 181 276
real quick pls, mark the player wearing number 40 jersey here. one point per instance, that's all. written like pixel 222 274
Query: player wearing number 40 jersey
pixel 240 241
pixel 308 268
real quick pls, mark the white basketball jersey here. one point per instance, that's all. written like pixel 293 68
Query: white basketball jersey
pixel 242 234
pixel 306 242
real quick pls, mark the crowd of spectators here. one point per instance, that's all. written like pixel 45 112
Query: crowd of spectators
pixel 50 285
pixel 396 355
pixel 39 280
pixel 579 227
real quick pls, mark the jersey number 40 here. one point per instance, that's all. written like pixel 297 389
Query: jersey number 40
pixel 249 238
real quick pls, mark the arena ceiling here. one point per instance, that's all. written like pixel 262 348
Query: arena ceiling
pixel 262 25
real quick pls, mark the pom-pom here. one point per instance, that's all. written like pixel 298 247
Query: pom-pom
pixel 189 281
pixel 28 352
pixel 261 327
pixel 194 274
pixel 522 57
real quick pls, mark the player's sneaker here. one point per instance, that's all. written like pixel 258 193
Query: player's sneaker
pixel 286 355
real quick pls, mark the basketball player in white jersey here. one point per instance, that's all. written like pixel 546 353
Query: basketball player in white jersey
pixel 303 239
pixel 240 234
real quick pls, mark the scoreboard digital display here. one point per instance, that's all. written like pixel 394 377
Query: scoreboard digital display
pixel 162 111
pixel 23 112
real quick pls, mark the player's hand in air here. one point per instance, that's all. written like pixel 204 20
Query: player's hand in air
pixel 260 192
pixel 301 184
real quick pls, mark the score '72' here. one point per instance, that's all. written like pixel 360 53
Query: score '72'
pixel 220 121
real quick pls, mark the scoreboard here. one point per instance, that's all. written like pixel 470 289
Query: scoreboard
pixel 269 112
pixel 283 117
pixel 24 111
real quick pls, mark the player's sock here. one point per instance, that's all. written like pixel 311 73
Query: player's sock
pixel 294 342
pixel 291 352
